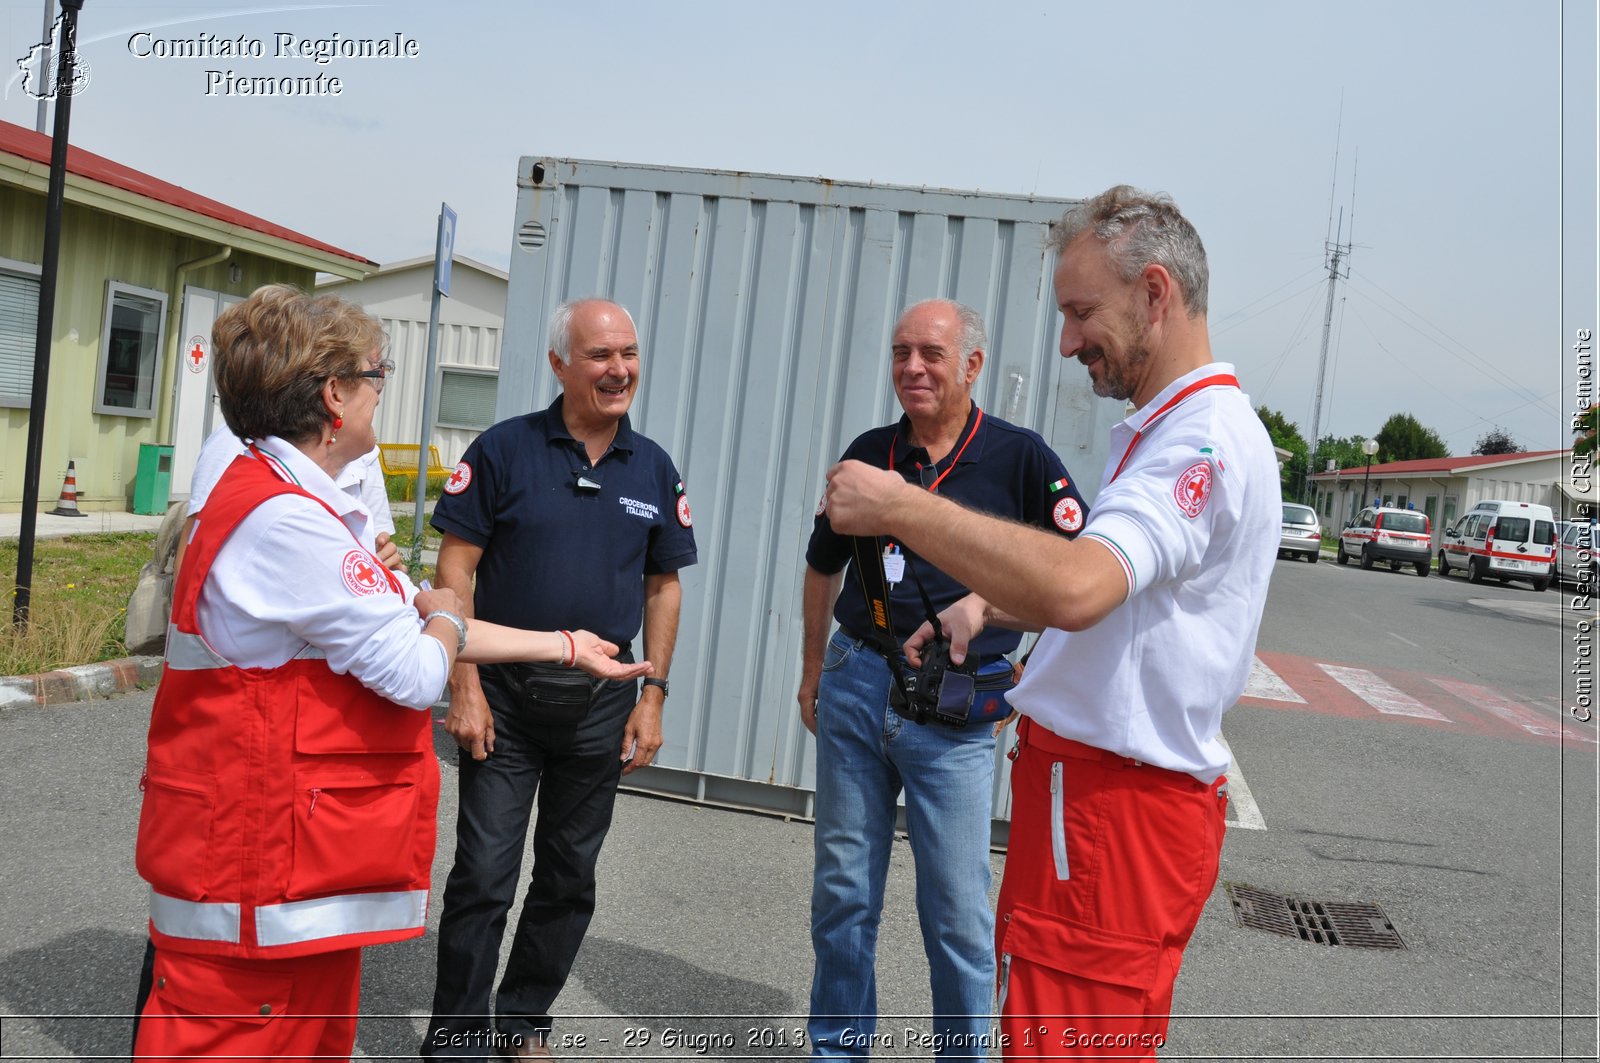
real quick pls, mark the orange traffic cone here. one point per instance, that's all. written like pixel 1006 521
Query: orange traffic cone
pixel 68 505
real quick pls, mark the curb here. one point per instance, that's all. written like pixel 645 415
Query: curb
pixel 80 683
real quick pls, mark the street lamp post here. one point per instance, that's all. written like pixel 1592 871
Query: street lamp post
pixel 1369 448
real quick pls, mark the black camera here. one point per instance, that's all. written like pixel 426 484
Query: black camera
pixel 937 690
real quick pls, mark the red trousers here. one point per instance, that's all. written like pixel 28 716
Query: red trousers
pixel 211 1007
pixel 1109 864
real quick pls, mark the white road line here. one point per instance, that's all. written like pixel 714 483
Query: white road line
pixel 1267 685
pixel 1405 640
pixel 1380 695
pixel 1246 813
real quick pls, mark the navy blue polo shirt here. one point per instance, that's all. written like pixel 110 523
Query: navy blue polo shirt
pixel 1005 469
pixel 556 555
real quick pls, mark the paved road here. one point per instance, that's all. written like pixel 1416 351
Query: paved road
pixel 1474 834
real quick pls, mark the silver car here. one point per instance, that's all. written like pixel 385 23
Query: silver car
pixel 1302 533
pixel 1575 558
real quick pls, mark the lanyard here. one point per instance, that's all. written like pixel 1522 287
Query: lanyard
pixel 1223 379
pixel 934 487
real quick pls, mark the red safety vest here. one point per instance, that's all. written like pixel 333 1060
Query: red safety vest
pixel 287 810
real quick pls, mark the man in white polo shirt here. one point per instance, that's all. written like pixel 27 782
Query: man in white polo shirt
pixel 1150 619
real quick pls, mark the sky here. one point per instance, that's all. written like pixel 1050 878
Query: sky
pixel 1435 127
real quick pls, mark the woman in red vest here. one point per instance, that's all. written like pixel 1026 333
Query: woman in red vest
pixel 291 786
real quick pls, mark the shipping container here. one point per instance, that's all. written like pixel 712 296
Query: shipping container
pixel 764 306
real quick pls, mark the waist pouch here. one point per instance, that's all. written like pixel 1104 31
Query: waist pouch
pixel 548 693
pixel 989 703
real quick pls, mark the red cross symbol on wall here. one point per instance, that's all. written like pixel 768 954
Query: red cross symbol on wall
pixel 197 354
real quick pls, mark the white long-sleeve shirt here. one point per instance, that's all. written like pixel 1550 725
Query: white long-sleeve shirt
pixel 291 575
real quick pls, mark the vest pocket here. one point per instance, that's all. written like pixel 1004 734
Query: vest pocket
pixel 352 832
pixel 174 845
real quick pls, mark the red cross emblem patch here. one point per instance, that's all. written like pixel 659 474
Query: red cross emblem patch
pixel 684 517
pixel 1193 488
pixel 1068 514
pixel 361 574
pixel 460 478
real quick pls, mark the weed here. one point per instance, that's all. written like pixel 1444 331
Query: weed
pixel 78 602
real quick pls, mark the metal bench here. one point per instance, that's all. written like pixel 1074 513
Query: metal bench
pixel 400 459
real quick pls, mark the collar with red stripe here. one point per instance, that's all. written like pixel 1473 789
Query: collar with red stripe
pixel 1217 380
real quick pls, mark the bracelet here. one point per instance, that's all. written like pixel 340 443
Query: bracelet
pixel 571 656
pixel 459 624
pixel 659 684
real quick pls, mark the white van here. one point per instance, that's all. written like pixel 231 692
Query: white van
pixel 1506 540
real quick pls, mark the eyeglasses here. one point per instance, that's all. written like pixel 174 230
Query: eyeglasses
pixel 379 374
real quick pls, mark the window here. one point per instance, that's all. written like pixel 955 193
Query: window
pixel 19 327
pixel 466 398
pixel 130 350
pixel 1405 522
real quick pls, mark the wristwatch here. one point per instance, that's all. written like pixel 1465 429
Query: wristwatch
pixel 652 681
pixel 460 626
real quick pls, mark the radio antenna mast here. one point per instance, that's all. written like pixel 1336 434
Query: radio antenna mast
pixel 1338 263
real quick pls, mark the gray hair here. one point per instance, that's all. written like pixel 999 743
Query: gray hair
pixel 1138 229
pixel 973 336
pixel 561 323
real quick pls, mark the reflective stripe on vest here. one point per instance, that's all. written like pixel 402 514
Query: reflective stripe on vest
pixel 188 652
pixel 326 917
pixel 294 922
pixel 194 920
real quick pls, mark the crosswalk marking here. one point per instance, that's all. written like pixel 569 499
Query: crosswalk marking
pixel 1266 684
pixel 1506 709
pixel 1379 694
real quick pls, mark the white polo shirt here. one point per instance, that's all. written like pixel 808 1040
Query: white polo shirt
pixel 292 575
pixel 362 478
pixel 1193 517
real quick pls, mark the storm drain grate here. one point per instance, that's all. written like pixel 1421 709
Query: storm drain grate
pixel 1354 924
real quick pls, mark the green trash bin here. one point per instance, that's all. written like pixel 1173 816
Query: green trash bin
pixel 153 482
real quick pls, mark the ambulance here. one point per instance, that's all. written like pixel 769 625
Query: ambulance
pixel 1506 540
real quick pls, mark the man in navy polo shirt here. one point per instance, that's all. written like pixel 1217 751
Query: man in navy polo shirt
pixel 569 519
pixel 866 754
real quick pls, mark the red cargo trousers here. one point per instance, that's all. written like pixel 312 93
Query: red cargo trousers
pixel 1109 863
pixel 245 1009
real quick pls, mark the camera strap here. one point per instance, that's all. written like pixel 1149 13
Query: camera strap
pixel 875 588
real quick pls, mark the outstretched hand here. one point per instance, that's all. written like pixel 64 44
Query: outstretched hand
pixel 594 655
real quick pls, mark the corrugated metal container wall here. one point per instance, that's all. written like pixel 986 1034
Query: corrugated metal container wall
pixel 400 413
pixel 765 306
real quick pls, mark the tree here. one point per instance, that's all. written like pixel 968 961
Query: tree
pixel 1286 434
pixel 1403 438
pixel 1497 441
pixel 1347 451
pixel 1583 426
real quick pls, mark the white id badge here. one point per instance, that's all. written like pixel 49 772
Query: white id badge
pixel 894 565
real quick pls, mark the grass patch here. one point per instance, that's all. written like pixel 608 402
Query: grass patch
pixel 79 600
pixel 404 488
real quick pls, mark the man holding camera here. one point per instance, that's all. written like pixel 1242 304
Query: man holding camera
pixel 872 740
pixel 567 518
pixel 1119 784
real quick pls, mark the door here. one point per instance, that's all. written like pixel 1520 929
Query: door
pixel 194 407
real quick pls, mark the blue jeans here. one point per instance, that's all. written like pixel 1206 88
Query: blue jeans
pixel 865 756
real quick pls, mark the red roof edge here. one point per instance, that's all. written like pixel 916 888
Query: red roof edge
pixel 1418 466
pixel 25 143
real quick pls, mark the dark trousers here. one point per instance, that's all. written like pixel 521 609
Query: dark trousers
pixel 574 770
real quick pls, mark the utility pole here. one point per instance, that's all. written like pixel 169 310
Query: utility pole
pixel 55 200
